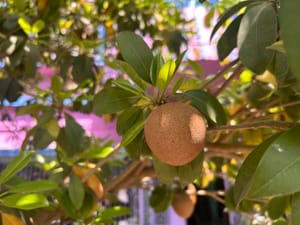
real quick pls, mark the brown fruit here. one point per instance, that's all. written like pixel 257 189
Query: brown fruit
pixel 183 204
pixel 175 133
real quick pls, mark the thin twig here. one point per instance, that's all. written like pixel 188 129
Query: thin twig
pixel 226 148
pixel 279 125
pixel 214 194
pixel 101 163
pixel 220 73
pixel 236 72
pixel 115 181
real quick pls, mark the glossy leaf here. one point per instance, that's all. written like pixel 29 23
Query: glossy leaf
pixel 156 201
pixel 41 138
pixel 136 52
pixel 132 132
pixel 195 66
pixel 228 40
pixel 177 84
pixel 129 70
pixel 191 171
pixel 229 13
pixel 276 206
pixel 25 25
pixel 138 147
pixel 186 173
pixel 125 85
pixel 258 30
pixel 25 201
pixel 247 171
pixel 127 118
pixel 164 172
pixel 289 18
pixel 295 205
pixel 15 166
pixel 112 100
pixel 71 137
pixel 282 179
pixel 179 59
pixel 66 204
pixel 76 191
pixel 165 75
pixel 34 186
pixel 38 26
pixel 208 105
pixel 107 215
pixel 156 65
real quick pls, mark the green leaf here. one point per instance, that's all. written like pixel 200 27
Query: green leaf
pixel 38 26
pixel 34 186
pixel 289 18
pixel 128 69
pixel 277 206
pixel 76 191
pixel 66 204
pixel 138 147
pixel 177 84
pixel 136 52
pixel 282 179
pixel 125 85
pixel 281 221
pixel 246 172
pixel 159 203
pixel 208 105
pixel 229 13
pixel 25 25
pixel 29 109
pixel 15 166
pixel 258 30
pixel 25 201
pixel 112 100
pixel 127 118
pixel 71 137
pixel 156 65
pixel 191 171
pixel 295 205
pixel 56 84
pixel 20 4
pixel 165 75
pixel 228 40
pixel 186 173
pixel 132 132
pixel 196 66
pixel 107 215
pixel 179 59
pixel 164 172
pixel 82 68
pixel 41 138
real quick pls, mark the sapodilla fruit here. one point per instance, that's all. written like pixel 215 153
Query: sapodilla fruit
pixel 183 204
pixel 175 133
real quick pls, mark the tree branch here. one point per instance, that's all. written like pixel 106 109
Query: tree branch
pixel 279 125
pixel 101 163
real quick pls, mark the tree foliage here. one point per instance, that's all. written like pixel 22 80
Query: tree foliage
pixel 251 105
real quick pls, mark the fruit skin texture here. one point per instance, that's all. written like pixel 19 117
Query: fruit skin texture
pixel 183 204
pixel 175 133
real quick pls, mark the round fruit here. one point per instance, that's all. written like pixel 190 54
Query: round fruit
pixel 175 133
pixel 183 205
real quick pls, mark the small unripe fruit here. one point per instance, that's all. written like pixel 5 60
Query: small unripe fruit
pixel 183 205
pixel 175 133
